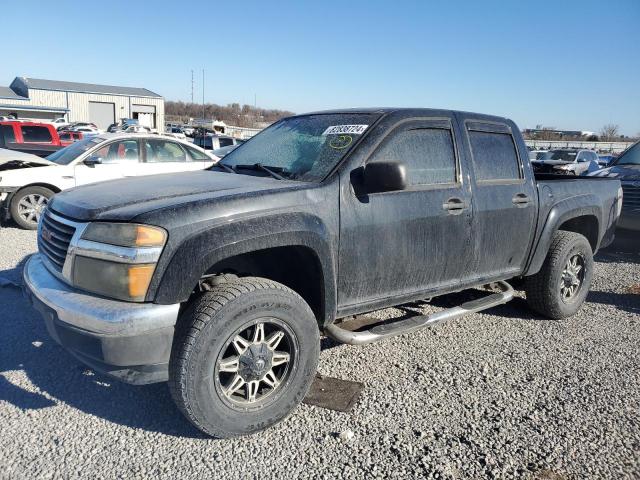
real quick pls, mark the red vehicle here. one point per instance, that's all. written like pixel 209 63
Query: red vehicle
pixel 67 137
pixel 40 139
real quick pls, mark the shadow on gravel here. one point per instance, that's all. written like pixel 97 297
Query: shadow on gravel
pixel 628 302
pixel 625 248
pixel 26 346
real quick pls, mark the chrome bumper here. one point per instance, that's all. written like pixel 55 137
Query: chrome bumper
pixel 131 341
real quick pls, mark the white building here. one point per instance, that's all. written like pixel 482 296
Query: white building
pixel 38 99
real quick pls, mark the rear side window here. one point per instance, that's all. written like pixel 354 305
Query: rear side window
pixel 225 142
pixel 196 154
pixel 159 151
pixel 427 153
pixel 494 156
pixel 6 131
pixel 32 133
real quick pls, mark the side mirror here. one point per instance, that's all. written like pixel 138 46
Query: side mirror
pixel 93 160
pixel 384 177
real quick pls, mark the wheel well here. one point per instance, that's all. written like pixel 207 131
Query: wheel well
pixel 53 188
pixel 296 267
pixel 586 225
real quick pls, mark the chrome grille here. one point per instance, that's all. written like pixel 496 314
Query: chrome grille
pixel 54 236
pixel 631 197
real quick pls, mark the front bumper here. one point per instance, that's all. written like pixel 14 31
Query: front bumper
pixel 129 341
pixel 6 194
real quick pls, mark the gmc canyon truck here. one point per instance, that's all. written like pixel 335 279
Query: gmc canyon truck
pixel 221 281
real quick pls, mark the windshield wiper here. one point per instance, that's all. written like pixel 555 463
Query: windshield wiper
pixel 259 166
pixel 225 167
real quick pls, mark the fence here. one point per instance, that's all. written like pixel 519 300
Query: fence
pixel 611 147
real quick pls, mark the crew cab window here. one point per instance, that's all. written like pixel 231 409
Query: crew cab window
pixel 494 156
pixel 163 151
pixel 118 152
pixel 32 133
pixel 225 142
pixel 427 153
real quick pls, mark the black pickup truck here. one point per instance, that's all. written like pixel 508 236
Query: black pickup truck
pixel 221 281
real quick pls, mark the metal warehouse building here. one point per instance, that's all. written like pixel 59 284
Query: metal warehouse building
pixel 38 99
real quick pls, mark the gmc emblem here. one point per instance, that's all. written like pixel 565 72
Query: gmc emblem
pixel 47 235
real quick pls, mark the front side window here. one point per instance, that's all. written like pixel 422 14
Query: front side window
pixel 427 153
pixel 494 156
pixel 32 133
pixel 304 148
pixel 119 152
pixel 159 151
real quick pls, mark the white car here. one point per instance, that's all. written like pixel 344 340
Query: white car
pixel 59 123
pixel 26 188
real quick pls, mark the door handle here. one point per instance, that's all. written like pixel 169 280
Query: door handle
pixel 455 206
pixel 521 200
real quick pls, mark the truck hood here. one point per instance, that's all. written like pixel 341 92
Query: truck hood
pixel 621 172
pixel 124 199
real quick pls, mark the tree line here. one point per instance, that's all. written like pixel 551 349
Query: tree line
pixel 231 114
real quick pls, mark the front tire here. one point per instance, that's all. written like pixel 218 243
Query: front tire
pixel 244 356
pixel 559 289
pixel 28 204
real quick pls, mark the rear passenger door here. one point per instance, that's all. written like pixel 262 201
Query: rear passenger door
pixel 399 243
pixel 166 156
pixel 505 201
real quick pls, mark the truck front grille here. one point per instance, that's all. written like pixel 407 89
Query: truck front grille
pixel 631 198
pixel 54 238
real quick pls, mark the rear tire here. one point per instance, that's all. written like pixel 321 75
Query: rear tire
pixel 224 375
pixel 559 289
pixel 28 204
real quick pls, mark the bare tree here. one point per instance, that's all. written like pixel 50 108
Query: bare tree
pixel 609 132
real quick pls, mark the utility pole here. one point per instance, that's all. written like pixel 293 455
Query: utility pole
pixel 203 94
pixel 191 85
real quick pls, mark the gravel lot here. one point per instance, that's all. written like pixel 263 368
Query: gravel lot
pixel 500 394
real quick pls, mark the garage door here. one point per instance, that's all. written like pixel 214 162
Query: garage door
pixel 102 114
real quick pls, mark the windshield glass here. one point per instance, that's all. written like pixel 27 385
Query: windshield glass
pixel 303 148
pixel 66 155
pixel 631 156
pixel 564 155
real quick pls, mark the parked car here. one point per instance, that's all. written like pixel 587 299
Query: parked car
pixel 67 137
pixel 221 281
pixel 567 162
pixel 36 138
pixel 606 160
pixel 188 130
pixel 60 123
pixel 175 132
pixel 222 152
pixel 214 142
pixel 24 192
pixel 537 154
pixel 626 168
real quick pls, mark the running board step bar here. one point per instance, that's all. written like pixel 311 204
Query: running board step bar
pixel 411 324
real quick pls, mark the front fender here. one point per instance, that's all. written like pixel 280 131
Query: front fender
pixel 564 210
pixel 199 252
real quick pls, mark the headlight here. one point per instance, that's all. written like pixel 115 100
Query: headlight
pixel 117 260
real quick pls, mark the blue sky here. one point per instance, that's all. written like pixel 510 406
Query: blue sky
pixel 568 64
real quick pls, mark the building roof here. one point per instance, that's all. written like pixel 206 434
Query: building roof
pixel 7 92
pixel 42 84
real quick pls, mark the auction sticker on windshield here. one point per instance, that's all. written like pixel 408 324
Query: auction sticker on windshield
pixel 342 129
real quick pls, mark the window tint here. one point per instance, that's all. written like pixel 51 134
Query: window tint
pixel 494 156
pixel 225 142
pixel 197 154
pixel 119 152
pixel 7 133
pixel 163 151
pixel 31 133
pixel 427 153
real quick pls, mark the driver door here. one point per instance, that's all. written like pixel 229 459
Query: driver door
pixel 117 159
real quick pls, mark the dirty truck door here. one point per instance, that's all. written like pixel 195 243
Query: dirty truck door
pixel 407 241
pixel 505 200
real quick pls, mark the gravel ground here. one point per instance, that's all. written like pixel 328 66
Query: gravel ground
pixel 501 394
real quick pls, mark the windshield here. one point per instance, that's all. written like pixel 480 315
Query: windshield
pixel 303 148
pixel 631 156
pixel 564 155
pixel 66 155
